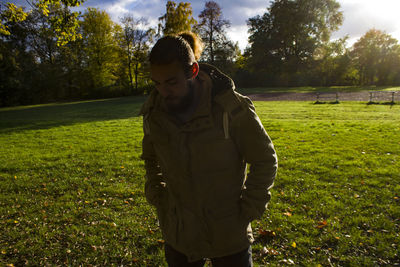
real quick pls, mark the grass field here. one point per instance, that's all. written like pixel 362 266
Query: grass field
pixel 71 184
pixel 311 89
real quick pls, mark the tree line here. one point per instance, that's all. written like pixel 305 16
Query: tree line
pixel 50 53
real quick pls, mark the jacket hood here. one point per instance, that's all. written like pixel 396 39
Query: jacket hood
pixel 220 81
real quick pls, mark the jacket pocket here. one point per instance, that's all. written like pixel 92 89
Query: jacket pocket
pixel 192 230
pixel 227 228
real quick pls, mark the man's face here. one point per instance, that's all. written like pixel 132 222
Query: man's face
pixel 173 85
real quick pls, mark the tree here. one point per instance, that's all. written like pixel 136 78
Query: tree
pixel 212 30
pixel 64 25
pixel 101 49
pixel 17 69
pixel 135 41
pixel 10 14
pixel 377 58
pixel 41 37
pixel 33 37
pixel 43 40
pixel 176 19
pixel 284 39
pixel 332 64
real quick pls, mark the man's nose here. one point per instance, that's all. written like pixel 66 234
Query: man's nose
pixel 163 90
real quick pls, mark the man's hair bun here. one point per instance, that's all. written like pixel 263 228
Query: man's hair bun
pixel 194 41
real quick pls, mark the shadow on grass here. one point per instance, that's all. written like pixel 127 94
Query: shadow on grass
pixel 58 114
pixel 388 103
pixel 326 102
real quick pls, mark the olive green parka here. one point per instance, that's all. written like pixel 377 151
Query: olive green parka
pixel 196 171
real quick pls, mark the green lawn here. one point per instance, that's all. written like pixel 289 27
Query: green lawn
pixel 311 89
pixel 71 186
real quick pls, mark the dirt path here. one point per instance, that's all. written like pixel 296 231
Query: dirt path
pixel 344 96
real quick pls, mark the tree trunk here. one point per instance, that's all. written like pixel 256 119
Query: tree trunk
pixel 211 42
pixel 130 68
pixel 136 76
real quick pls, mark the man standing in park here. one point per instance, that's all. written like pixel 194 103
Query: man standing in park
pixel 199 136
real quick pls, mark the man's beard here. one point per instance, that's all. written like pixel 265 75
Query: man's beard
pixel 184 103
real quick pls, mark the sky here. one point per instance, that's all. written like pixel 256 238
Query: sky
pixel 359 15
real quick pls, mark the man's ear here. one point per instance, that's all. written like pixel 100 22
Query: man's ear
pixel 194 70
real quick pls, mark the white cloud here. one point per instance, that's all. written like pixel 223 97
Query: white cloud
pixel 118 9
pixel 363 15
pixel 150 9
pixel 238 34
pixel 238 12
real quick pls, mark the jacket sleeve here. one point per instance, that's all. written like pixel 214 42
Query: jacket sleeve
pixel 258 151
pixel 154 185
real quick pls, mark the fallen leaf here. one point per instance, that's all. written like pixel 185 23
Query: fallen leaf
pixel 266 233
pixel 273 252
pixel 287 214
pixel 269 251
pixel 322 224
